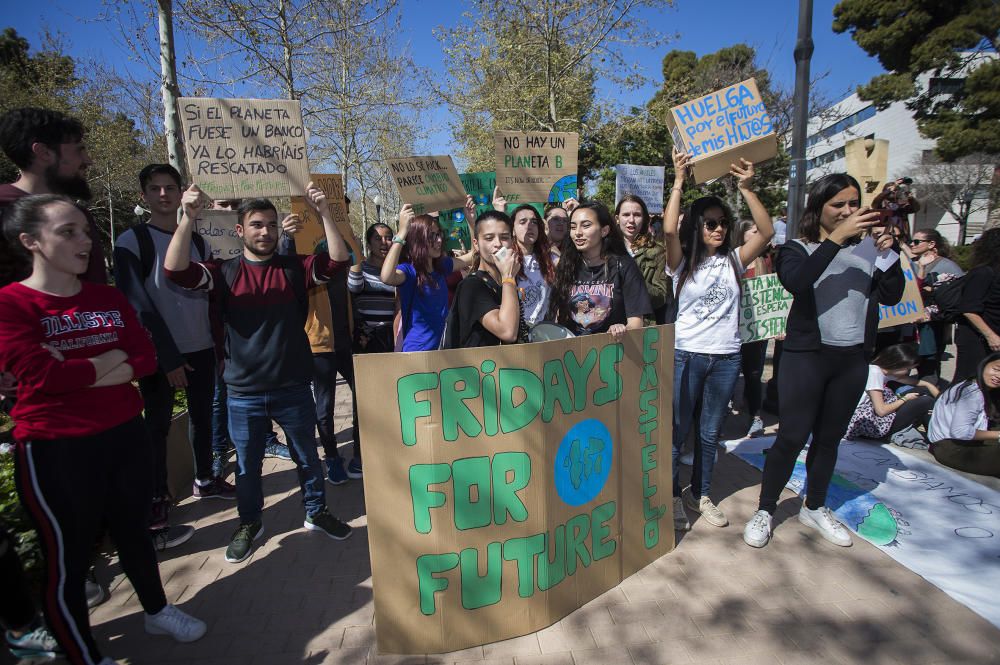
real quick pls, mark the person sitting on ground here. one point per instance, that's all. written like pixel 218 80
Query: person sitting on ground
pixel 880 412
pixel 965 425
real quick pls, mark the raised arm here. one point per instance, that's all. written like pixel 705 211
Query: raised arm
pixel 390 274
pixel 336 246
pixel 178 256
pixel 758 243
pixel 672 215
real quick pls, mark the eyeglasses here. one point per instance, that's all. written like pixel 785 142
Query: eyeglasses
pixel 530 220
pixel 712 224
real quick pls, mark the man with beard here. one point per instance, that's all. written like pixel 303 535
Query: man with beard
pixel 263 301
pixel 48 149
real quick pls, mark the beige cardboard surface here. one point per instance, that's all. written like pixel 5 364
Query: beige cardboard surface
pixel 240 148
pixel 428 184
pixel 513 484
pixel 218 227
pixel 722 127
pixel 910 308
pixel 869 167
pixel 537 167
pixel 312 232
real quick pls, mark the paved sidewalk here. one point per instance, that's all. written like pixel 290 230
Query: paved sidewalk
pixel 303 598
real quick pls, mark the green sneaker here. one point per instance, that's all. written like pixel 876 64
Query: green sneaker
pixel 324 521
pixel 241 545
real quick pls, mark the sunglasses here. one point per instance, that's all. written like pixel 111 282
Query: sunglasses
pixel 712 224
pixel 916 241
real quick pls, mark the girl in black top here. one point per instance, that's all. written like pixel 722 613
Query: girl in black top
pixel 978 331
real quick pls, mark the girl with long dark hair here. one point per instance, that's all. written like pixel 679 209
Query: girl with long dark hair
pixel 965 426
pixel 978 331
pixel 374 301
pixel 650 256
pixel 82 451
pixel 538 263
pixel 598 286
pixel 706 270
pixel 830 334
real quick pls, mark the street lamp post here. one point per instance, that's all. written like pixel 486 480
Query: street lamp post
pixel 964 203
pixel 378 208
pixel 800 119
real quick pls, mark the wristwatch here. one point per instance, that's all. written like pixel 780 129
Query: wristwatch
pixel 397 239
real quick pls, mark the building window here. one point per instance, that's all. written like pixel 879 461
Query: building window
pixel 945 86
pixel 825 158
pixel 837 127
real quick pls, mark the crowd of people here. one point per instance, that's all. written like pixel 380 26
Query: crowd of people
pixel 91 370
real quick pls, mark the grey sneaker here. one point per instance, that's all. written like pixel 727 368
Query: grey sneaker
pixel 36 643
pixel 706 509
pixel 177 624
pixel 172 536
pixel 327 523
pixel 822 520
pixel 241 545
pixel 758 530
pixel 756 427
pixel 681 522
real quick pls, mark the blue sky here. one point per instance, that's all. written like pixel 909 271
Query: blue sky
pixel 699 25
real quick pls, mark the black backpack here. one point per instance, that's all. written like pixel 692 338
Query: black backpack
pixel 947 297
pixel 147 251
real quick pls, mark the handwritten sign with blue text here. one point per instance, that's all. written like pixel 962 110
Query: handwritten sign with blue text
pixel 646 182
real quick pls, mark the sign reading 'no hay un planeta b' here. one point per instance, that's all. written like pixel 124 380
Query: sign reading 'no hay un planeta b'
pixel 512 484
pixel 239 148
pixel 536 167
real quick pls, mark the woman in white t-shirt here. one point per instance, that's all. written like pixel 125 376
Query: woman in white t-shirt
pixel 538 263
pixel 706 271
pixel 880 412
pixel 963 431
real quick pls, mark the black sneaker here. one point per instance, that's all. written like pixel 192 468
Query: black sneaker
pixel 171 536
pixel 241 546
pixel 324 521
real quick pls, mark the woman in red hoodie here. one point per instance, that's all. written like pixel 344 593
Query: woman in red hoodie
pixel 82 455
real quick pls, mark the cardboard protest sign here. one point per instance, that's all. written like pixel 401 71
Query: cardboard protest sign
pixel 218 227
pixel 428 184
pixel 722 127
pixel 312 233
pixel 910 308
pixel 764 306
pixel 456 229
pixel 514 483
pixel 646 182
pixel 537 167
pixel 238 148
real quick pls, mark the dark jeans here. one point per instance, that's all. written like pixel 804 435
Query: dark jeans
pixel 325 369
pixel 980 457
pixel 709 379
pixel 17 609
pixel 71 488
pixel 220 421
pixel 818 392
pixel 752 358
pixel 250 418
pixel 159 397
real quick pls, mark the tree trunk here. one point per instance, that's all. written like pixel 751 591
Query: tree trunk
pixel 168 87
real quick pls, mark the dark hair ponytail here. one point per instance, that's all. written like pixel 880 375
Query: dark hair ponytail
pixel 26 215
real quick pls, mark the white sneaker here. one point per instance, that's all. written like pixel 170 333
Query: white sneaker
pixel 822 520
pixel 177 624
pixel 756 427
pixel 758 530
pixel 681 522
pixel 706 509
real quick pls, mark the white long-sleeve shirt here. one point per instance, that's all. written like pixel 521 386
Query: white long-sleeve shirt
pixel 958 418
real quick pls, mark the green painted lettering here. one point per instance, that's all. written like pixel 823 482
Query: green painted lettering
pixel 511 473
pixel 525 551
pixel 480 591
pixel 455 414
pixel 579 375
pixel 648 379
pixel 422 476
pixel 428 584
pixel 489 398
pixel 578 528
pixel 648 463
pixel 472 476
pixel 552 566
pixel 611 355
pixel 601 545
pixel 556 390
pixel 409 407
pixel 647 406
pixel 650 336
pixel 515 416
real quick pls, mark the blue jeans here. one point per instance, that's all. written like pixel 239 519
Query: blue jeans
pixel 220 421
pixel 250 418
pixel 708 379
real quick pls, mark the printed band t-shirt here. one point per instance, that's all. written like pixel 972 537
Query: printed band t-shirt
pixel 708 307
pixel 424 308
pixel 536 290
pixel 607 294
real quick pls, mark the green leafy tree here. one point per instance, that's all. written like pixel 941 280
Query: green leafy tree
pixel 956 39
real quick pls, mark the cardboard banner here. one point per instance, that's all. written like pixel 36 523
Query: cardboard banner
pixel 456 229
pixel 537 167
pixel 721 127
pixel 218 227
pixel 646 182
pixel 764 306
pixel 429 184
pixel 867 160
pixel 240 148
pixel 312 234
pixel 910 308
pixel 514 483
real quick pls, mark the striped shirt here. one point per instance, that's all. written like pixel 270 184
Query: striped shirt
pixel 374 300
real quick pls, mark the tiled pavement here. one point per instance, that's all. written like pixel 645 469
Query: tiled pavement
pixel 303 598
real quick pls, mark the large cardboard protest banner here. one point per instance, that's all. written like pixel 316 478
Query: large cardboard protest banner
pixel 764 306
pixel 238 148
pixel 910 308
pixel 456 228
pixel 513 483
pixel 218 227
pixel 537 167
pixel 312 233
pixel 429 184
pixel 722 127
pixel 646 182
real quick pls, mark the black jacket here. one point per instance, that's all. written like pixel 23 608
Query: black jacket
pixel 798 272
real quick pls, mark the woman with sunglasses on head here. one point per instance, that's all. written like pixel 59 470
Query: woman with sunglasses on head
pixel 650 256
pixel 830 335
pixel 422 283
pixel 706 270
pixel 537 263
pixel 598 287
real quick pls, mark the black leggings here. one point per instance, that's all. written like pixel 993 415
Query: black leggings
pixel 70 488
pixel 913 412
pixel 325 369
pixel 971 348
pixel 752 358
pixel 817 393
pixel 980 457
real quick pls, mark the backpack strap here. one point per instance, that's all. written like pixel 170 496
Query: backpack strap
pixel 295 275
pixel 147 252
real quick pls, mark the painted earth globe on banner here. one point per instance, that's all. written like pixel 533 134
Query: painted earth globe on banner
pixel 564 188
